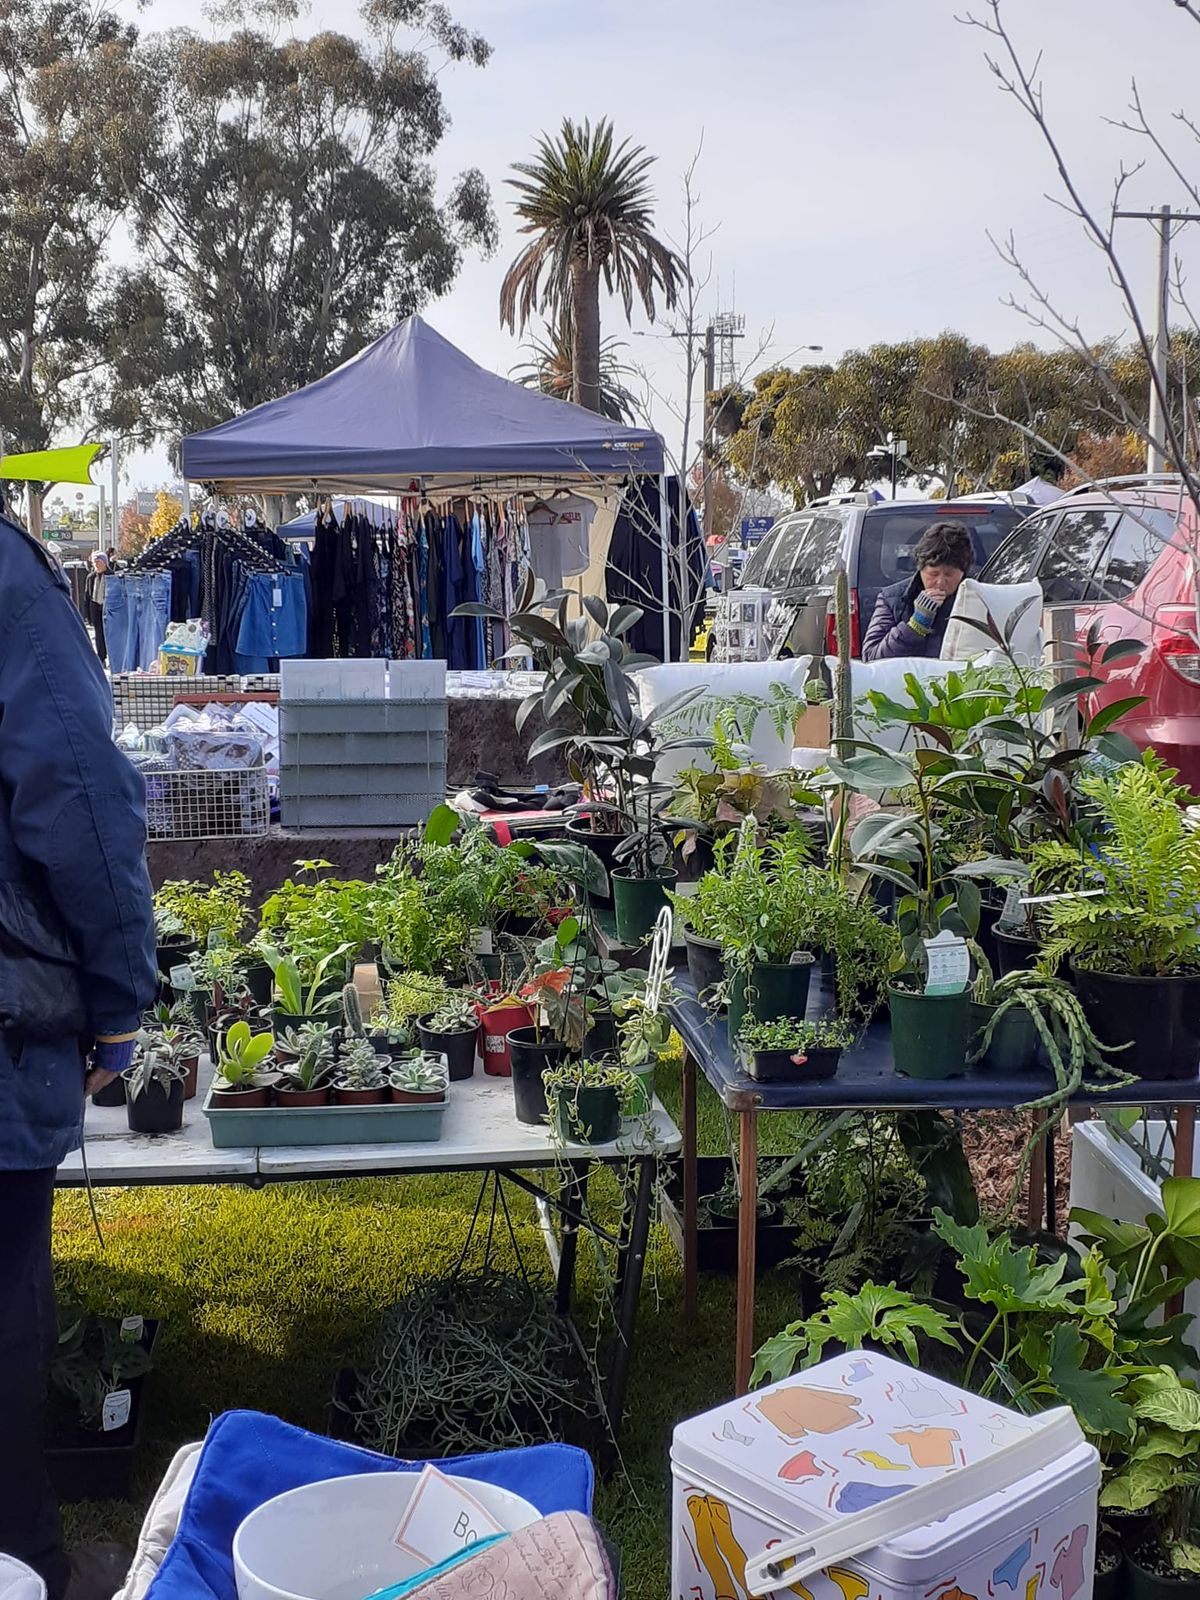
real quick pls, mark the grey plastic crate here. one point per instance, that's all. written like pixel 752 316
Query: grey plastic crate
pixel 361 763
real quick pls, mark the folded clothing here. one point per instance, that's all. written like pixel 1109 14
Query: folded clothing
pixel 249 1458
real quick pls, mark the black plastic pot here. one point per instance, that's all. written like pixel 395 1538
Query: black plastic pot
pixel 175 953
pixel 1015 1042
pixel 1159 1018
pixel 786 1066
pixel 156 1110
pixel 588 1115
pixel 579 831
pixel 112 1095
pixel 459 1049
pixel 637 902
pixel 1139 1583
pixel 717 1234
pixel 529 1060
pixel 78 1459
pixel 1015 952
pixel 260 981
pixel 989 912
pixel 1109 1584
pixel 601 1036
pixel 700 859
pixel 930 1033
pixel 705 963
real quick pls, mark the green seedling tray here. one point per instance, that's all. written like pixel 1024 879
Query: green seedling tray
pixel 273 1128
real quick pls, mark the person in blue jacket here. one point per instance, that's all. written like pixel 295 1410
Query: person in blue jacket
pixel 77 969
pixel 910 617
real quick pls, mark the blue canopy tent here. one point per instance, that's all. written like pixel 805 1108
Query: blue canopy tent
pixel 411 414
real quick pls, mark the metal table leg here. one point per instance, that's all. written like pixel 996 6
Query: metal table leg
pixel 1051 1183
pixel 1037 1174
pixel 747 1224
pixel 576 1202
pixel 631 1288
pixel 689 1187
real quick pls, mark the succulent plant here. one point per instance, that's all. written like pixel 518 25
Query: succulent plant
pixel 422 1074
pixel 361 1068
pixel 456 1014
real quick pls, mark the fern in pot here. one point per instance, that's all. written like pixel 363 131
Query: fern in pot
pixel 1132 938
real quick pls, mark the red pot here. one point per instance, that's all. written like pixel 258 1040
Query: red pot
pixel 301 1097
pixel 241 1099
pixel 496 1023
pixel 190 1084
pixel 405 1097
pixel 361 1097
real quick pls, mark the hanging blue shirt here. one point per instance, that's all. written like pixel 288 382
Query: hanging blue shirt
pixel 478 568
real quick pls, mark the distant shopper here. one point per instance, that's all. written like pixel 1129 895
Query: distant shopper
pixel 910 617
pixel 94 601
pixel 77 969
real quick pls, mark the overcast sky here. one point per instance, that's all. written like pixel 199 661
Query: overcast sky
pixel 855 154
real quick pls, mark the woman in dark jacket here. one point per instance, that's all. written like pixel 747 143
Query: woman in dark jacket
pixel 910 617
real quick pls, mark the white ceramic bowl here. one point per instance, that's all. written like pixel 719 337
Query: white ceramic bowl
pixel 334 1540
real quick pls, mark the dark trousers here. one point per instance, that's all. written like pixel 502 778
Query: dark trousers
pixel 29 1525
pixel 96 618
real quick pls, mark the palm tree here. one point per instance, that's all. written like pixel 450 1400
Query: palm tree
pixel 550 369
pixel 589 209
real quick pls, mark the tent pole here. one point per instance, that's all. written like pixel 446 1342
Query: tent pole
pixel 664 534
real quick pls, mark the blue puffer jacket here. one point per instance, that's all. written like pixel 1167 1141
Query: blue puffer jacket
pixel 888 633
pixel 72 832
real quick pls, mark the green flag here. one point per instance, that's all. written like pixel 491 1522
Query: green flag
pixel 51 466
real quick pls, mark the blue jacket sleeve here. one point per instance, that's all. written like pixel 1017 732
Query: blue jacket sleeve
pixel 889 637
pixel 77 804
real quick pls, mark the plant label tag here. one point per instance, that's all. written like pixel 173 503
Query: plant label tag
pixel 443 1519
pixel 1010 914
pixel 799 958
pixel 131 1329
pixel 117 1407
pixel 481 942
pixel 182 979
pixel 949 964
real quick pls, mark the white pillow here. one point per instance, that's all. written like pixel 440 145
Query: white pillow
pixel 720 681
pixel 888 677
pixel 1001 600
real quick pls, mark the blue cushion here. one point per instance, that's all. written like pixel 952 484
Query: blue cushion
pixel 249 1458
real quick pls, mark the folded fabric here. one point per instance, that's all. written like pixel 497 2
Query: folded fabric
pixel 559 1558
pixel 249 1458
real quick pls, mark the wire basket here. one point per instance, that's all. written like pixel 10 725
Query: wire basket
pixel 225 804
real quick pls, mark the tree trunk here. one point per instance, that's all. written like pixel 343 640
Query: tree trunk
pixel 33 501
pixel 585 335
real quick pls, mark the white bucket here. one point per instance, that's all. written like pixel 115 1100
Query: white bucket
pixel 334 1540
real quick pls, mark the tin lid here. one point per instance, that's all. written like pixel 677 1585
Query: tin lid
pixel 857 1430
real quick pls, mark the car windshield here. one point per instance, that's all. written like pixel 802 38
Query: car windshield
pixel 888 538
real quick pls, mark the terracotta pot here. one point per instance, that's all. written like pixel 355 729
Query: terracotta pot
pixel 241 1099
pixel 405 1097
pixel 191 1066
pixel 361 1097
pixel 300 1097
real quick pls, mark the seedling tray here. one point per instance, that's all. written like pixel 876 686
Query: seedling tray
pixel 275 1128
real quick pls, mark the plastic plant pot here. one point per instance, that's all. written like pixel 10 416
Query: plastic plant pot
pixel 113 1094
pixel 529 1061
pixel 191 1080
pixel 459 1049
pixel 637 902
pixel 1140 1583
pixel 241 1099
pixel 362 1097
pixel 790 1066
pixel 260 981
pixel 588 1115
pixel 642 1102
pixel 156 1110
pixel 773 990
pixel 579 831
pixel 1015 1044
pixel 705 963
pixel 930 1033
pixel 294 1098
pixel 1015 952
pixel 1159 1018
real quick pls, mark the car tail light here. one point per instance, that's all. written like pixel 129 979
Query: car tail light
pixel 831 628
pixel 1182 655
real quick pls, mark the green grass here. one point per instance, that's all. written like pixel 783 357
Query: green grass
pixel 264 1295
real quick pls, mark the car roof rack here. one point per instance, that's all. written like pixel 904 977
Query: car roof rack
pixel 859 497
pixel 1129 480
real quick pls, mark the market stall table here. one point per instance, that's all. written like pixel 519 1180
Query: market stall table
pixel 480 1134
pixel 866 1081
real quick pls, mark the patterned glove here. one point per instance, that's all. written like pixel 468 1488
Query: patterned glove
pixel 114 1055
pixel 925 610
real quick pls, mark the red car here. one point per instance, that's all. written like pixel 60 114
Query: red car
pixel 1120 553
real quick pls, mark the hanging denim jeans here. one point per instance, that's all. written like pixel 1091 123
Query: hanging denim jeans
pixel 153 604
pixel 120 624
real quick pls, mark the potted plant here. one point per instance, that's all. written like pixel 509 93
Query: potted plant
pixel 1133 934
pixel 307 1066
pixel 452 1030
pixel 790 1049
pixel 173 1031
pixel 588 1099
pixel 420 1079
pixel 362 1075
pixel 643 1036
pixel 559 976
pixel 242 1077
pixel 908 850
pixel 500 1012
pixel 407 996
pixel 299 1000
pixel 154 1091
pixel 192 915
pixel 765 901
pixel 700 917
pixel 174 944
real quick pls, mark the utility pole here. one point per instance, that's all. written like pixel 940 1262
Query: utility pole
pixel 706 455
pixel 1156 428
pixel 116 485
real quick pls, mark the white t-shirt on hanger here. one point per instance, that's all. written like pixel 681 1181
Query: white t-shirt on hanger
pixel 559 531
